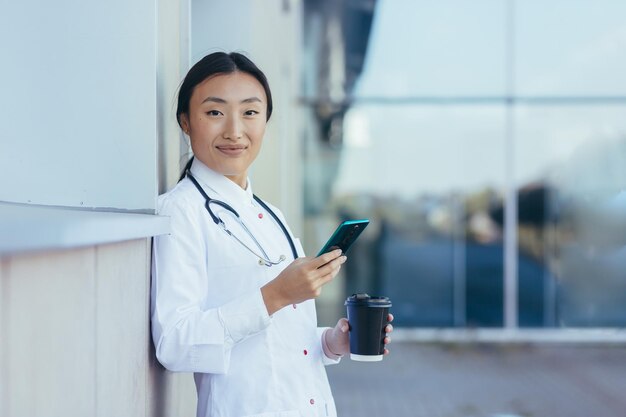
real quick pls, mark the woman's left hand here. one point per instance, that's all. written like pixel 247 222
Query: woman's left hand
pixel 339 343
pixel 337 338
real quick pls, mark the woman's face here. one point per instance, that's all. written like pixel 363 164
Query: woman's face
pixel 226 123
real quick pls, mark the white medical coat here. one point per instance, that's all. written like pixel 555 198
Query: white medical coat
pixel 208 315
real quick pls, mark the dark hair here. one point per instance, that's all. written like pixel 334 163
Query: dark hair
pixel 215 64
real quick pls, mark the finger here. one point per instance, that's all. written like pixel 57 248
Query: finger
pixel 386 351
pixel 343 325
pixel 325 258
pixel 390 317
pixel 388 328
pixel 335 272
pixel 328 272
pixel 387 340
pixel 321 281
pixel 326 278
pixel 331 266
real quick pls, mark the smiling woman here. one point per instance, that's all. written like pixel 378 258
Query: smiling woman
pixel 224 95
pixel 226 123
pixel 232 294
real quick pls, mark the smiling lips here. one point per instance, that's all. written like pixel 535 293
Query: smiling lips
pixel 232 150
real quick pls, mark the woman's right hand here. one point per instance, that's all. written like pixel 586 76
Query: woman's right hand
pixel 302 280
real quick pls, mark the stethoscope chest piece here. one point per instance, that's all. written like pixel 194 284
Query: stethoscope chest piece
pixel 266 263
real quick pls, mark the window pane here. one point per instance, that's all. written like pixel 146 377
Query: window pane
pixel 570 47
pixel 431 173
pixel 572 171
pixel 441 47
pixel 427 178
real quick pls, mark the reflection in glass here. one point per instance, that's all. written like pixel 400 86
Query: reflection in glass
pixel 581 55
pixel 572 217
pixel 449 95
pixel 434 48
pixel 426 177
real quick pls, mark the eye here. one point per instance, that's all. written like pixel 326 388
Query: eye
pixel 251 113
pixel 214 113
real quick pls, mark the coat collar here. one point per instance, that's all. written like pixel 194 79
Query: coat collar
pixel 216 184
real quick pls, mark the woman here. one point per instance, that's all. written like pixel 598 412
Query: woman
pixel 233 295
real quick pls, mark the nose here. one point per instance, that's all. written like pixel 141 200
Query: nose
pixel 233 129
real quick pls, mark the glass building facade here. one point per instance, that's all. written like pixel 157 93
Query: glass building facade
pixel 486 142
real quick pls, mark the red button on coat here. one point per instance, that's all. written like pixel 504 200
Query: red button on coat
pixel 312 401
pixel 305 352
pixel 260 215
pixel 294 306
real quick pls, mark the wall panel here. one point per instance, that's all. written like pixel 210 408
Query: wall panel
pixel 4 321
pixel 51 367
pixel 122 332
pixel 78 103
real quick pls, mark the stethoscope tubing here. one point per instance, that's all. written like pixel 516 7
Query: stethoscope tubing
pixel 262 259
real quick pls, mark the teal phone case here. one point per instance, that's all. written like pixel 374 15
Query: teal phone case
pixel 345 234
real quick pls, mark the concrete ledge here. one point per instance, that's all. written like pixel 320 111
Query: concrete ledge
pixel 554 335
pixel 26 228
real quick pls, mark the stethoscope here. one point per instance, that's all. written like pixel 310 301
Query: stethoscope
pixel 264 259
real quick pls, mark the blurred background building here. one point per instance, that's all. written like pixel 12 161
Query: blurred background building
pixel 485 141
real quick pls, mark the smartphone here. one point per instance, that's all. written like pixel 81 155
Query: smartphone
pixel 345 234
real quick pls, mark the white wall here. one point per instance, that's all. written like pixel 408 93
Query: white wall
pixel 78 103
pixel 268 32
pixel 78 127
pixel 173 33
pixel 86 89
pixel 76 338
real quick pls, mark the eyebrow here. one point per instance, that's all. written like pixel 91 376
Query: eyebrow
pixel 222 101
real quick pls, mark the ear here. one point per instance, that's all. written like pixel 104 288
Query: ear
pixel 184 123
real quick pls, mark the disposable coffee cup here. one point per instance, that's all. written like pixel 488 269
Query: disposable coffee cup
pixel 367 317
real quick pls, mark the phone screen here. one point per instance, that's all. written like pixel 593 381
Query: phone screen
pixel 345 234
